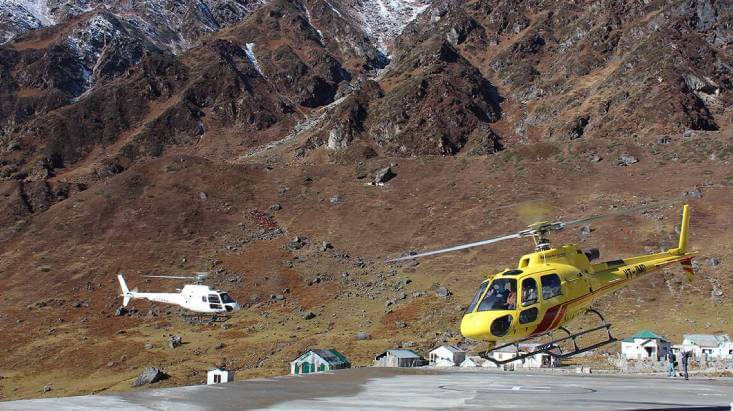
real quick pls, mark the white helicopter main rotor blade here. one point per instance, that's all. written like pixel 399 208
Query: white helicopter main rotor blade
pixel 455 248
pixel 168 276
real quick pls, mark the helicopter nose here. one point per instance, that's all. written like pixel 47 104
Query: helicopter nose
pixel 475 327
pixel 486 326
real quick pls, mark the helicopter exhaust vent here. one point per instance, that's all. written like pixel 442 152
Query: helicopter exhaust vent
pixel 592 254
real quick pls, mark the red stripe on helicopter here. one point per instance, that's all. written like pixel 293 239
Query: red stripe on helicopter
pixel 548 319
pixel 554 315
pixel 559 317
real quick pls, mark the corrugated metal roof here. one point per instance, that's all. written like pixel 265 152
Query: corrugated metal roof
pixel 706 340
pixel 450 348
pixel 644 335
pixel 402 353
pixel 330 356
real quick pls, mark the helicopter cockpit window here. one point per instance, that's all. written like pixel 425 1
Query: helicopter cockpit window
pixel 213 298
pixel 226 299
pixel 476 297
pixel 550 286
pixel 529 292
pixel 501 295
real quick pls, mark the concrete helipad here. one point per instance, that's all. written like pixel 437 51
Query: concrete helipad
pixel 420 389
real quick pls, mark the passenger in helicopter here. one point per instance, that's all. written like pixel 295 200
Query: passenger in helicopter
pixel 511 297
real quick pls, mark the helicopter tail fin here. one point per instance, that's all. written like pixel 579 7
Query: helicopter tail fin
pixel 126 294
pixel 684 230
pixel 681 249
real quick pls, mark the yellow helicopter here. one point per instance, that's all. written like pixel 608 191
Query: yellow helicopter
pixel 552 286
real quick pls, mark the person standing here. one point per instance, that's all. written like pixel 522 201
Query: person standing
pixel 685 361
pixel 670 363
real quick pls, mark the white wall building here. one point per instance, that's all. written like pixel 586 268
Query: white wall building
pixel 707 346
pixel 446 354
pixel 645 345
pixel 219 376
pixel 540 360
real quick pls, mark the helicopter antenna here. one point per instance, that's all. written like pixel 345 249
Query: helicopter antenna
pixel 538 232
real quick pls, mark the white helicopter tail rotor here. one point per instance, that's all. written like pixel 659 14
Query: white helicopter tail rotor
pixel 126 294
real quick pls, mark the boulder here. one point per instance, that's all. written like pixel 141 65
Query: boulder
pixel 151 375
pixel 362 336
pixel 175 341
pixel 712 262
pixel 443 292
pixel 297 243
pixel 309 315
pixel 626 160
pixel 383 175
pixel 326 245
pixel 695 193
pixel 276 207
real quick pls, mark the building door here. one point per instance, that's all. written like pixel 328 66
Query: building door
pixel 217 379
pixel 322 368
pixel 297 368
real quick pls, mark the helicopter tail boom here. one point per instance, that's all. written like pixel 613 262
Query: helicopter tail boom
pixel 126 294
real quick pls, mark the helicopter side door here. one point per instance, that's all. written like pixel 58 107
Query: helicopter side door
pixel 529 314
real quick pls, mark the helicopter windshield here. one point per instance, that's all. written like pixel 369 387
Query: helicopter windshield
pixel 502 295
pixel 476 297
pixel 226 299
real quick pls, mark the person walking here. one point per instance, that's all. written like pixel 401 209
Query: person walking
pixel 685 361
pixel 671 359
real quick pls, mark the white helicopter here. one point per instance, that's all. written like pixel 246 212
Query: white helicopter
pixel 197 298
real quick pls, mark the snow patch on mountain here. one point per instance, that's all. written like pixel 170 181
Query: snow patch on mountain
pixel 310 23
pixel 18 16
pixel 249 50
pixel 40 10
pixel 383 20
pixel 177 23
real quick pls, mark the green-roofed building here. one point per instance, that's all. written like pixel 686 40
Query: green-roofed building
pixel 645 345
pixel 319 360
